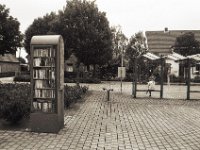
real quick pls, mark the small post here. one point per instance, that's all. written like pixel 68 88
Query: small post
pixel 134 87
pixel 162 63
pixel 122 64
pixel 188 79
pixel 121 80
pixel 108 93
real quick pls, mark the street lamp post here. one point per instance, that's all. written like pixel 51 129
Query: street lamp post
pixel 122 64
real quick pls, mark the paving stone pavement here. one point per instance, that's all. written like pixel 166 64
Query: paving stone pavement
pixel 123 123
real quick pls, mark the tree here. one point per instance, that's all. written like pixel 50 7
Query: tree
pixel 119 41
pixel 10 36
pixel 135 49
pixel 186 44
pixel 84 28
pixel 86 32
pixel 40 26
pixel 136 46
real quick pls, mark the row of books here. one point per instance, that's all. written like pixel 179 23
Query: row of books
pixel 44 52
pixel 43 106
pixel 46 73
pixel 44 93
pixel 44 84
pixel 44 61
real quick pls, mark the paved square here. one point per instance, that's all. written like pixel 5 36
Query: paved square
pixel 122 123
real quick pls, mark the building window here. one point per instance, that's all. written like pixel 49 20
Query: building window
pixel 197 68
pixel 181 70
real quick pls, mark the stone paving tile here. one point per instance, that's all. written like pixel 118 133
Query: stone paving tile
pixel 122 123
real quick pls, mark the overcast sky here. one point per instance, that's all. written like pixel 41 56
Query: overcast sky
pixel 131 15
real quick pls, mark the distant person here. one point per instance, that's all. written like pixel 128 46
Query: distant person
pixel 151 86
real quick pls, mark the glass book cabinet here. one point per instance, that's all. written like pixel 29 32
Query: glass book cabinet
pixel 47 79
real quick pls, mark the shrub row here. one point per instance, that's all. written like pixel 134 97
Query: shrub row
pixel 22 78
pixel 26 78
pixel 83 80
pixel 15 99
pixel 73 93
pixel 7 74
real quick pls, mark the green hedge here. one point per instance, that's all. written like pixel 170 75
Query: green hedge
pixel 26 78
pixel 22 78
pixel 15 99
pixel 196 79
pixel 73 93
pixel 83 80
pixel 7 74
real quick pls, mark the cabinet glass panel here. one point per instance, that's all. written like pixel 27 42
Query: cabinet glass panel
pixel 44 79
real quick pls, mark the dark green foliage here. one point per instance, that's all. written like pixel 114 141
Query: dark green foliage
pixel 14 101
pixel 10 36
pixel 89 80
pixel 83 80
pixel 119 41
pixel 179 79
pixel 22 78
pixel 84 28
pixel 70 75
pixel 186 44
pixel 196 79
pixel 7 74
pixel 86 32
pixel 73 93
pixel 40 26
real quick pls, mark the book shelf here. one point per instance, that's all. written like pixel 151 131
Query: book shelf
pixel 47 79
pixel 44 79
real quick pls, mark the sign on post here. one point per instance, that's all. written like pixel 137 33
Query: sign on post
pixel 121 72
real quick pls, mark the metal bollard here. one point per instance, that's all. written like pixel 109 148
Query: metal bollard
pixel 108 93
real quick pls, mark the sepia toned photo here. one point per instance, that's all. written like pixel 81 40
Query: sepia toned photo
pixel 99 75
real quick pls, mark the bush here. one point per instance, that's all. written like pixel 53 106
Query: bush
pixel 83 80
pixel 22 78
pixel 68 80
pixel 175 79
pixel 7 74
pixel 73 93
pixel 14 101
pixel 196 79
pixel 89 80
pixel 70 75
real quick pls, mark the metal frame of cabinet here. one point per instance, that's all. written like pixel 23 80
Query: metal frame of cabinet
pixel 47 83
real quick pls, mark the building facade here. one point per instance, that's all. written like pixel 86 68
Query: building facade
pixel 9 64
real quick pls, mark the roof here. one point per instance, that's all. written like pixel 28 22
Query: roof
pixel 162 42
pixel 195 57
pixel 46 39
pixel 150 56
pixel 8 58
pixel 175 56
